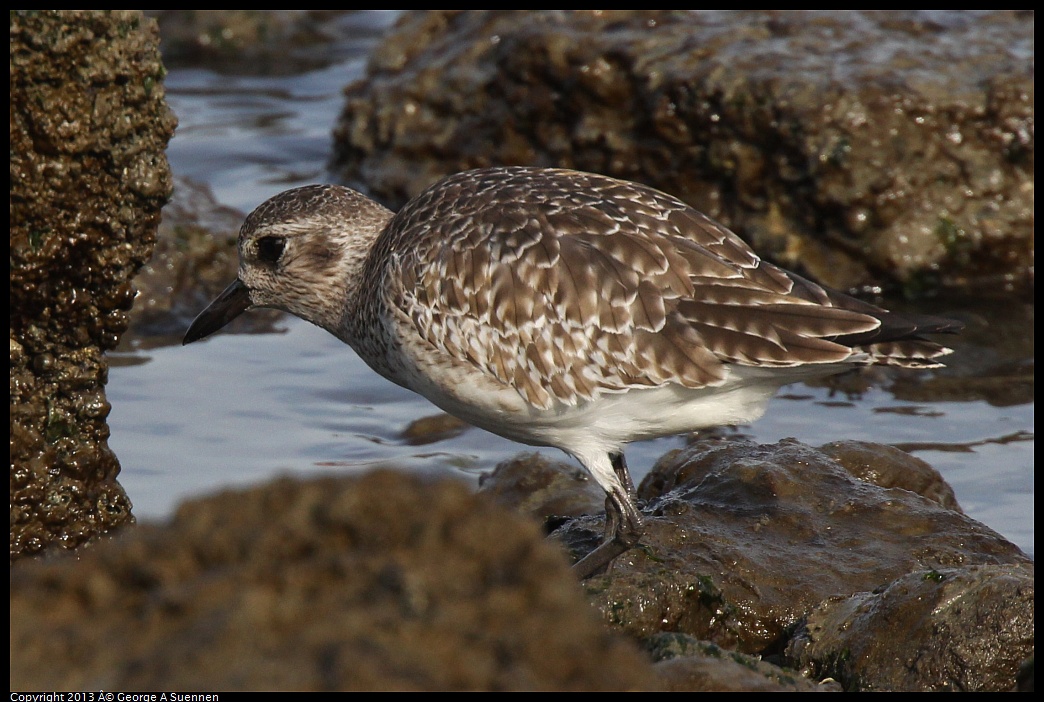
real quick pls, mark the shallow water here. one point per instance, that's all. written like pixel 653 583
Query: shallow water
pixel 239 409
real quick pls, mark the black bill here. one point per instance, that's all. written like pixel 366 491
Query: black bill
pixel 232 302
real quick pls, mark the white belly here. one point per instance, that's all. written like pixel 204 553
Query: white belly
pixel 608 421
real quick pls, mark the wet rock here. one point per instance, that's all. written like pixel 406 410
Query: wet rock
pixel 437 427
pixel 388 581
pixel 89 125
pixel 262 42
pixel 744 541
pixel 394 581
pixel 685 663
pixel 887 466
pixel 544 489
pixel 862 147
pixel 952 630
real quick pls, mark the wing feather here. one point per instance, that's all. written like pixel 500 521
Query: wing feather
pixel 565 285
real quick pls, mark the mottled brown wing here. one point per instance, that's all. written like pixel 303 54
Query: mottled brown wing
pixel 565 285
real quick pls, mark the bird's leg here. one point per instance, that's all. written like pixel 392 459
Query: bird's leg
pixel 627 519
pixel 620 468
pixel 623 524
pixel 623 531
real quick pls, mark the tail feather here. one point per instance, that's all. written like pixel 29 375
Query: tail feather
pixel 907 353
pixel 897 341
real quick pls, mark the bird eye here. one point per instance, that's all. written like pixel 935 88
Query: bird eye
pixel 270 248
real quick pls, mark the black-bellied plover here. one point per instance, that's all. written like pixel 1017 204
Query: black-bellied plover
pixel 559 308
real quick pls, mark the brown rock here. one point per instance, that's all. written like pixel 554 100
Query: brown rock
pixel 957 630
pixel 388 581
pixel 863 147
pixel 744 540
pixel 89 126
